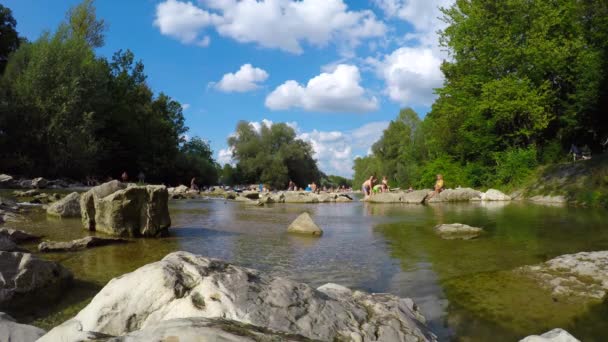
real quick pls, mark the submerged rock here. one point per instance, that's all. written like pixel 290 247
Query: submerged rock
pixel 207 329
pixel 18 236
pixel 6 181
pixel 304 224
pixel 85 242
pixel 457 231
pixel 10 330
pixel 582 274
pixel 548 199
pixel 456 195
pixel 555 335
pixel 494 195
pixel 69 206
pixel 184 285
pixel 27 279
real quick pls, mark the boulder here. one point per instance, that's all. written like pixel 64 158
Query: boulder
pixel 304 224
pixel 182 189
pixel 555 335
pixel 18 236
pixel 85 242
pixel 10 330
pixel 253 195
pixel 300 197
pixel 385 197
pixel 230 195
pixel 582 274
pixel 184 285
pixel 494 195
pixel 6 181
pixel 8 245
pixel 135 211
pixel 89 199
pixel 456 195
pixel 457 231
pixel 27 279
pixel 39 183
pixel 69 206
pixel 548 199
pixel 28 193
pixel 207 329
pixel 343 199
pixel 272 197
pixel 326 198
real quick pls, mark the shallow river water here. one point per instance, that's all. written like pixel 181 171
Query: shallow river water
pixel 464 288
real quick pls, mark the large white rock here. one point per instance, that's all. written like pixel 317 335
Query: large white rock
pixel 39 183
pixel 304 224
pixel 300 197
pixel 89 199
pixel 494 195
pixel 456 195
pixel 69 206
pixel 457 231
pixel 555 335
pixel 184 285
pixel 582 274
pixel 11 331
pixel 25 278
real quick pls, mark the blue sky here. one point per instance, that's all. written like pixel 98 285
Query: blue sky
pixel 338 71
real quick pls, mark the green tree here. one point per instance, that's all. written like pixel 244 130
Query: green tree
pixel 9 38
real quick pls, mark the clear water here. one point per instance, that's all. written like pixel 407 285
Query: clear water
pixel 464 288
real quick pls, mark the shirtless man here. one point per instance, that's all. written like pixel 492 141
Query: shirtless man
pixel 368 186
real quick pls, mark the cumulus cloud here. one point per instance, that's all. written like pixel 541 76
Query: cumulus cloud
pixel 247 78
pixel 337 91
pixel 280 24
pixel 225 156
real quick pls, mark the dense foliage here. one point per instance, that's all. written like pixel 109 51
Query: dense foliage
pixel 66 112
pixel 525 80
pixel 273 155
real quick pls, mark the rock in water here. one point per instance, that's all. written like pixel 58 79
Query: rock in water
pixel 8 245
pixel 184 285
pixel 300 197
pixel 10 330
pixel 69 206
pixel 555 335
pixel 18 236
pixel 39 183
pixel 456 195
pixel 85 242
pixel 6 181
pixel 582 274
pixel 457 231
pixel 27 279
pixel 304 224
pixel 494 195
pixel 207 329
pixel 89 199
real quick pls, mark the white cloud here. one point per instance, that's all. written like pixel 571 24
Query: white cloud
pixel 225 156
pixel 280 24
pixel 410 74
pixel 247 78
pixel 337 91
pixel 185 106
pixel 183 21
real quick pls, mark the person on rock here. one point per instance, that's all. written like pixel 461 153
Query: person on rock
pixel 385 187
pixel 438 187
pixel 193 185
pixel 368 185
pixel 124 177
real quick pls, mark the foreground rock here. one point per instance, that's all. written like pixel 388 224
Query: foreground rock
pixel 134 211
pixel 11 331
pixel 69 206
pixel 304 224
pixel 457 231
pixel 74 245
pixel 184 285
pixel 494 195
pixel 555 335
pixel 207 329
pixel 18 236
pixel 27 279
pixel 9 211
pixel 8 245
pixel 39 183
pixel 582 274
pixel 456 195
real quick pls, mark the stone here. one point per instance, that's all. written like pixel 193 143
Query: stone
pixel 8 245
pixel 182 189
pixel 230 195
pixel 28 193
pixel 28 279
pixel 6 181
pixel 69 206
pixel 135 211
pixel 494 195
pixel 456 195
pixel 272 197
pixel 84 243
pixel 39 183
pixel 300 197
pixel 343 199
pixel 89 199
pixel 18 236
pixel 207 329
pixel 385 197
pixel 304 224
pixel 10 330
pixel 253 195
pixel 548 199
pixel 555 335
pixel 457 231
pixel 183 285
pixel 583 274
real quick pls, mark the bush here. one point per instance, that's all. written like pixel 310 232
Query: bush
pixel 514 165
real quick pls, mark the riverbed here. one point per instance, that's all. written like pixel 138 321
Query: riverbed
pixel 464 288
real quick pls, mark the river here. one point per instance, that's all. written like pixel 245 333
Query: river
pixel 464 288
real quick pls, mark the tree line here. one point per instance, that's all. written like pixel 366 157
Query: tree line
pixel 67 112
pixel 524 81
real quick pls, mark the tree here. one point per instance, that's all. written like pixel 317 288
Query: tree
pixel 9 38
pixel 83 23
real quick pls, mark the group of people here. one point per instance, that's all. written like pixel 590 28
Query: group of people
pixel 369 187
pixel 313 187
